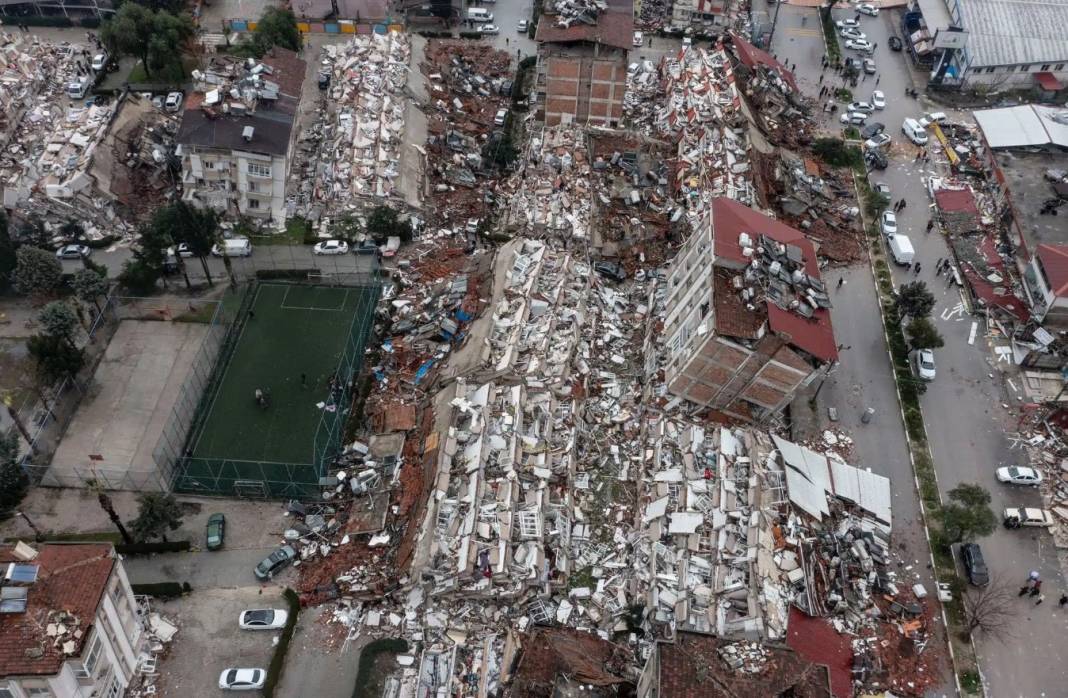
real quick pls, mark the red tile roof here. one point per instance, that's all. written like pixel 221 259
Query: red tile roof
pixel 815 640
pixel 549 653
pixel 72 578
pixel 691 667
pixel 615 27
pixel 750 56
pixel 1054 260
pixel 729 220
pixel 956 200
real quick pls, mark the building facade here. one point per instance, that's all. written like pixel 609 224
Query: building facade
pixel 72 632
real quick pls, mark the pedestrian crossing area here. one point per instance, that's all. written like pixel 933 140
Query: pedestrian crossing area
pixel 802 31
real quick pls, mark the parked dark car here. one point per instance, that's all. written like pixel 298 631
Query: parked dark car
pixel 896 44
pixel 275 562
pixel 875 159
pixel 871 130
pixel 610 270
pixel 974 564
pixel 216 531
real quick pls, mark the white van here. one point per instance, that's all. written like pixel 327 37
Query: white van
pixel 77 88
pixel 901 249
pixel 914 131
pixel 479 14
pixel 234 247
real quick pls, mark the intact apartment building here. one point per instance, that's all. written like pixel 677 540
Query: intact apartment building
pixel 748 320
pixel 701 14
pixel 237 134
pixel 69 626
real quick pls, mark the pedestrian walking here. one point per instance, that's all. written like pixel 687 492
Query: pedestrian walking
pixel 930 225
pixel 251 315
pixel 1064 600
pixel 903 204
pixel 506 41
pixel 1024 589
pixel 1041 598
pixel 1037 588
pixel 874 46
pixel 918 265
pixel 877 79
pixel 821 80
pixel 938 264
pixel 841 281
pixel 304 380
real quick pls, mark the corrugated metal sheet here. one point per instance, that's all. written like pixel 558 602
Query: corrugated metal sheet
pixel 867 490
pixel 1012 127
pixel 1010 32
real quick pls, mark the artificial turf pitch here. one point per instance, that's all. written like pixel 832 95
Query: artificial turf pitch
pixel 291 330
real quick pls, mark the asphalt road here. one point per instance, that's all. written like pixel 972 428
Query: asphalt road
pixel 506 16
pixel 968 425
pixel 263 257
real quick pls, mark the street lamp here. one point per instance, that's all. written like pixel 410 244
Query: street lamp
pixel 36 531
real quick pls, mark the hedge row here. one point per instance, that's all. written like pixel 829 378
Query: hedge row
pixel 274 670
pixel 162 590
pixel 174 546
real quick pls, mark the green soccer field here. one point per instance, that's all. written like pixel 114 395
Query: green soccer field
pixel 291 331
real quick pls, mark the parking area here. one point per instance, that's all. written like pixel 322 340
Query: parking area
pixel 209 639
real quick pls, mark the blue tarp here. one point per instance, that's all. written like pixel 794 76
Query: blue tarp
pixel 423 370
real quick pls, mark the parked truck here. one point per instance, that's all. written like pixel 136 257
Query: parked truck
pixel 901 249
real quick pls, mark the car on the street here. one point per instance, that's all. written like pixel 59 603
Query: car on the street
pixel 974 564
pixel 1015 517
pixel 859 45
pixel 866 8
pixel 1018 475
pixel 638 39
pixel 879 140
pixel 275 562
pixel 855 118
pixel 914 131
pixel 878 99
pixel 242 679
pixel 522 26
pixel 500 117
pixel 925 364
pixel 844 24
pixel 888 223
pixel 73 252
pixel 262 619
pixel 182 249
pixel 882 188
pixel 331 247
pixel 932 118
pixel 895 43
pixel 173 102
pixel 216 531
pixel 854 34
pixel 872 129
pixel 861 106
pixel 869 66
pixel 489 29
pixel 876 160
pixel 100 62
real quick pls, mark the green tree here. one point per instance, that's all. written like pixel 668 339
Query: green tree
pixel 915 300
pixel 500 150
pixel 923 335
pixel 384 223
pixel 89 285
pixel 967 515
pixel 154 36
pixel 32 232
pixel 37 271
pixel 55 357
pixel 13 480
pixel 59 320
pixel 277 27
pixel 157 514
pixel 198 228
pixel 8 258
pixel 109 508
pixel 72 231
pixel 835 152
pixel 141 274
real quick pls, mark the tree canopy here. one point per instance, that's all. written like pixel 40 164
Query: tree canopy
pixel 37 271
pixel 915 300
pixel 8 258
pixel 89 285
pixel 157 514
pixel 56 358
pixel 13 480
pixel 154 36
pixel 923 335
pixel 182 222
pixel 58 319
pixel 384 222
pixel 967 514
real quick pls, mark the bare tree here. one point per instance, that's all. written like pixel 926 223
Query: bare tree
pixel 991 609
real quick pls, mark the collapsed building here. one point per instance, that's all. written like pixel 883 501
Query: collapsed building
pixel 236 136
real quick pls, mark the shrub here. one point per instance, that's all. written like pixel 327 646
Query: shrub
pixel 274 669
pixel 174 546
pixel 39 21
pixel 89 22
pixel 471 35
pixel 162 590
pixel 274 274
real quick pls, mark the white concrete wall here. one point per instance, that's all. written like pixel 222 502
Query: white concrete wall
pixel 1012 77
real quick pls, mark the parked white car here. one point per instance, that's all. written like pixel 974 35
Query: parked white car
pixel 932 118
pixel 854 34
pixel 489 29
pixel 242 679
pixel 878 99
pixel 174 102
pixel 638 39
pixel 844 24
pixel 100 61
pixel 262 619
pixel 331 247
pixel 856 118
pixel 925 365
pixel 1015 517
pixel 501 117
pixel 859 45
pixel 861 106
pixel 522 26
pixel 889 223
pixel 73 252
pixel 1017 475
pixel 866 8
pixel 879 140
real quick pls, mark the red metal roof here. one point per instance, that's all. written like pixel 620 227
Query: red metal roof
pixel 751 55
pixel 956 200
pixel 815 640
pixel 72 578
pixel 615 27
pixel 1054 260
pixel 729 220
pixel 1047 81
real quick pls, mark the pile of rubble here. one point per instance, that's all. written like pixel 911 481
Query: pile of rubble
pixel 352 152
pixel 468 82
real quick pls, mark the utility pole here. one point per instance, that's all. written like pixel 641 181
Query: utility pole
pixel 37 536
pixel 774 21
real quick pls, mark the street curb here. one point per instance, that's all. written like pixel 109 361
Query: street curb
pixel 909 442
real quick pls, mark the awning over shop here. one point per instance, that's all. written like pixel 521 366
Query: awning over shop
pixel 1048 82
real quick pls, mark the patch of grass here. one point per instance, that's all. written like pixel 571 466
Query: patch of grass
pixel 970 681
pixel 369 682
pixel 843 94
pixel 278 660
pixel 298 232
pixel 830 33
pixel 175 75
